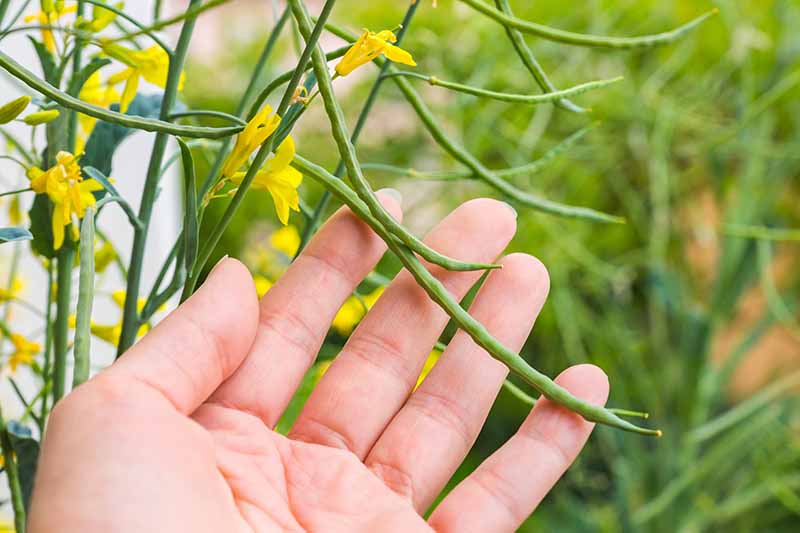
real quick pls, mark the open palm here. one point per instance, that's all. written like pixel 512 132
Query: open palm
pixel 177 435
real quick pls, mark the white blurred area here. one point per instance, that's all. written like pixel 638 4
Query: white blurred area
pixel 129 168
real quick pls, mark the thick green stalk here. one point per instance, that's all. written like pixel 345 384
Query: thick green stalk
pixel 131 322
pixel 12 473
pixel 161 126
pixel 83 315
pixel 580 39
pixel 261 155
pixel 360 184
pixel 77 58
pixel 529 60
pixel 462 318
pixel 48 349
pixel 529 99
pixel 66 258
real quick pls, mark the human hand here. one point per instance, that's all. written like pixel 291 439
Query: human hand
pixel 178 434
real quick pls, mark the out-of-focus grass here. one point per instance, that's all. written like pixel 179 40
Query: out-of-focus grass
pixel 689 322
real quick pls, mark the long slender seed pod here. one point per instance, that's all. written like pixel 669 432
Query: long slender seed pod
pixel 83 315
pixel 462 318
pixel 131 121
pixel 580 39
pixel 529 99
pixel 354 172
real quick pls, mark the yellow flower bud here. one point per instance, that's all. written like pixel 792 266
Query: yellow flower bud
pixel 41 117
pixel 13 109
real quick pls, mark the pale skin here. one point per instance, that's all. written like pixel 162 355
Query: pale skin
pixel 178 434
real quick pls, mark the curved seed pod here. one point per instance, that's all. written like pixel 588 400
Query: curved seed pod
pixel 31 80
pixel 580 39
pixel 13 109
pixel 83 313
pixel 462 318
pixel 530 99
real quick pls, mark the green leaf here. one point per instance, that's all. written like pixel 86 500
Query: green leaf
pixel 14 234
pixel 191 226
pixel 41 226
pixel 26 448
pixel 48 62
pixel 106 137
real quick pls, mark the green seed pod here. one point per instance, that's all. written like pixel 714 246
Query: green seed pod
pixel 13 109
pixel 41 117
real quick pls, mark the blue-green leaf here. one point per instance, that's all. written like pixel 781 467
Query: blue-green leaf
pixel 14 234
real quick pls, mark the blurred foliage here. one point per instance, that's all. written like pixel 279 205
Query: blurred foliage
pixel 689 323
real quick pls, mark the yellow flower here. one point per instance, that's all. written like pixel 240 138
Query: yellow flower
pixel 13 292
pixel 102 17
pixel 24 350
pixel 430 362
pixel 252 136
pixel 70 193
pixel 279 178
pixel 263 285
pixel 94 92
pixel 152 64
pixel 48 17
pixel 369 46
pixel 353 310
pixel 286 240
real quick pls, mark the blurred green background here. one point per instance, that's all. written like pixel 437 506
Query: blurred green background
pixel 691 324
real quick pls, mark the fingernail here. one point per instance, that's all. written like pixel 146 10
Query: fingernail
pixel 510 208
pixel 393 193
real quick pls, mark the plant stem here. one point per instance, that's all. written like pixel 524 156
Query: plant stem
pixel 313 223
pixel 66 258
pixel 12 473
pixel 48 349
pixel 77 58
pixel 131 322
